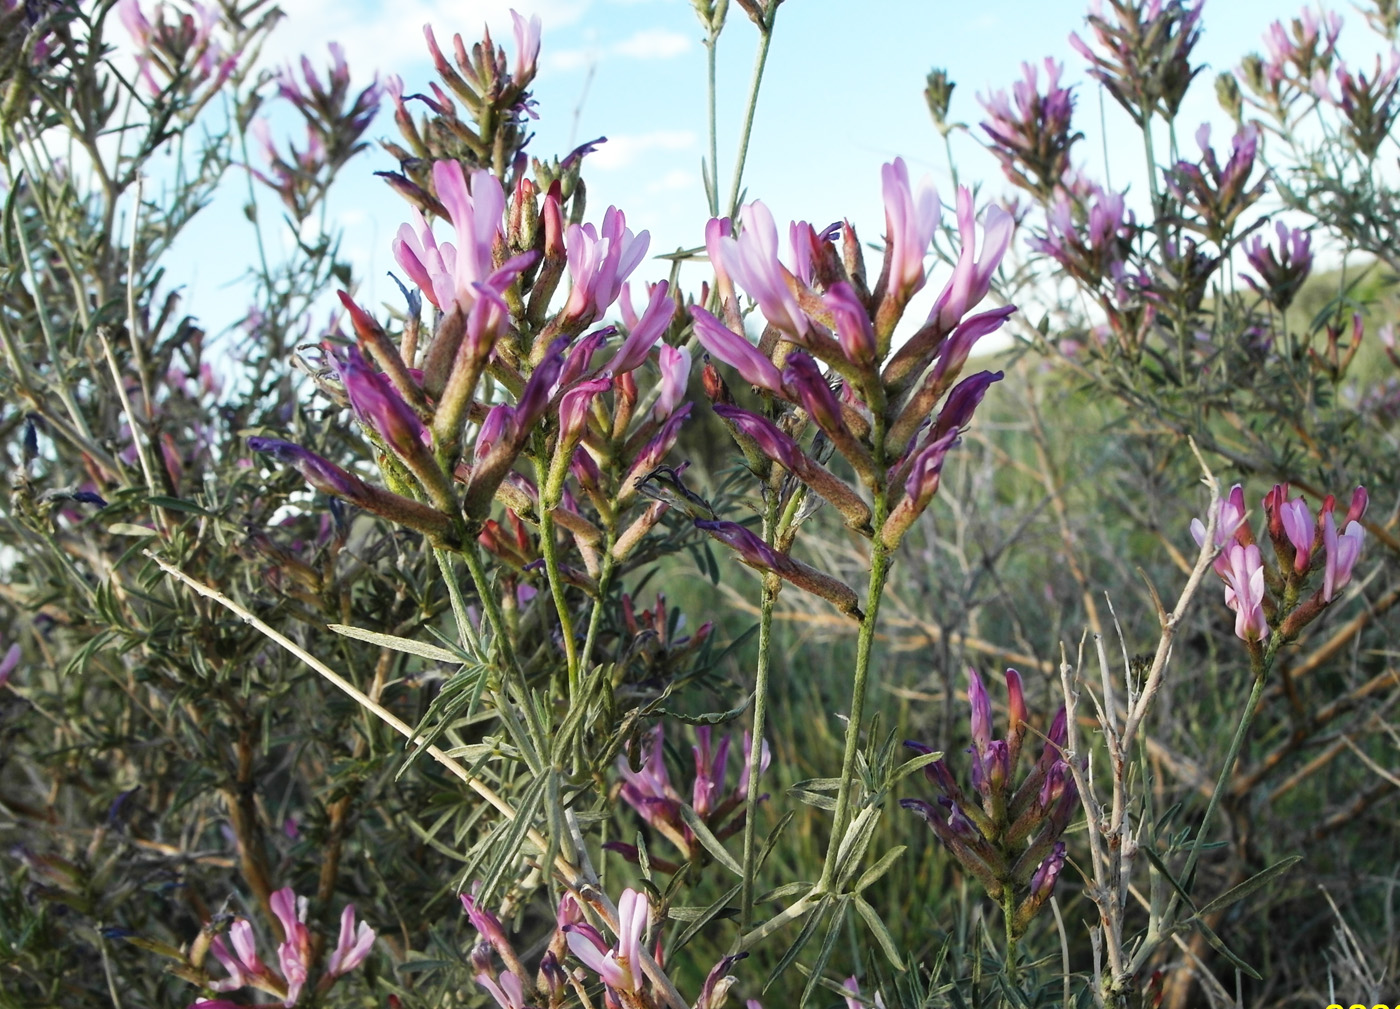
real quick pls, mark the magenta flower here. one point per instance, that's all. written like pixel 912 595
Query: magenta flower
pixel 354 944
pixel 675 373
pixel 294 954
pixel 527 47
pixel 1043 882
pixel 910 221
pixel 509 993
pixel 710 764
pixel 771 441
pixel 645 331
pixel 1244 591
pixel 852 324
pixel 620 966
pixel 1229 521
pixel 972 277
pixel 9 663
pixel 649 791
pixel 477 215
pixel 427 264
pixel 751 261
pixel 1300 529
pixel 966 396
pixel 379 407
pixel 599 262
pixel 735 351
pixel 716 231
pixel 574 408
pixel 1342 553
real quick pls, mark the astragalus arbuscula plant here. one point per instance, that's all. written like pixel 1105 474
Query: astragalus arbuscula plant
pixel 252 577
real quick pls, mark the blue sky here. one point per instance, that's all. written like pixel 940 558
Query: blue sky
pixel 842 95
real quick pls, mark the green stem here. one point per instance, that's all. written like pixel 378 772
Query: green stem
pixel 1008 913
pixel 879 569
pixel 550 549
pixel 1261 676
pixel 711 51
pixel 595 619
pixel 771 587
pixel 465 631
pixel 765 37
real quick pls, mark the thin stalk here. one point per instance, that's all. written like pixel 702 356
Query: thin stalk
pixel 879 569
pixel 765 38
pixel 550 548
pixel 1236 744
pixel 711 79
pixel 595 619
pixel 1008 914
pixel 465 631
pixel 771 586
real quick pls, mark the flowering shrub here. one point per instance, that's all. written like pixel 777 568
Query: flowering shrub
pixel 352 610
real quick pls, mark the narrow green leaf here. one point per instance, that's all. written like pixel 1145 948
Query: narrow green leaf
pixel 398 644
pixel 1224 950
pixel 877 927
pixel 705 915
pixel 706 837
pixel 879 868
pixel 1238 893
pixel 800 943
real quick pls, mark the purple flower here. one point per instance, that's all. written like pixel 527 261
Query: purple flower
pixel 771 441
pixel 1300 529
pixel 294 954
pixel 487 925
pixel 709 771
pixel 427 264
pixel 1043 881
pixel 852 324
pixel 9 662
pixel 1033 140
pixel 1281 273
pixel 379 407
pixel 750 548
pixel 653 452
pixel 735 351
pixel 649 790
pixel 962 401
pixel 806 383
pixel 765 757
pixel 751 260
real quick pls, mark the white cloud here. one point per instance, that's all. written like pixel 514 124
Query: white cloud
pixel 622 150
pixel 677 179
pixel 388 38
pixel 653 44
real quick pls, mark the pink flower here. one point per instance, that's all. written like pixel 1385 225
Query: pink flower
pixel 620 966
pixel 527 47
pixel 574 407
pixel 645 331
pixel 910 221
pixel 735 351
pixel 852 324
pixel 354 944
pixel 9 662
pixel 1244 591
pixel 972 277
pixel 294 954
pixel 509 993
pixel 599 261
pixel 477 217
pixel 1298 525
pixel 751 259
pixel 427 264
pixel 1228 522
pixel 675 373
pixel 1342 554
